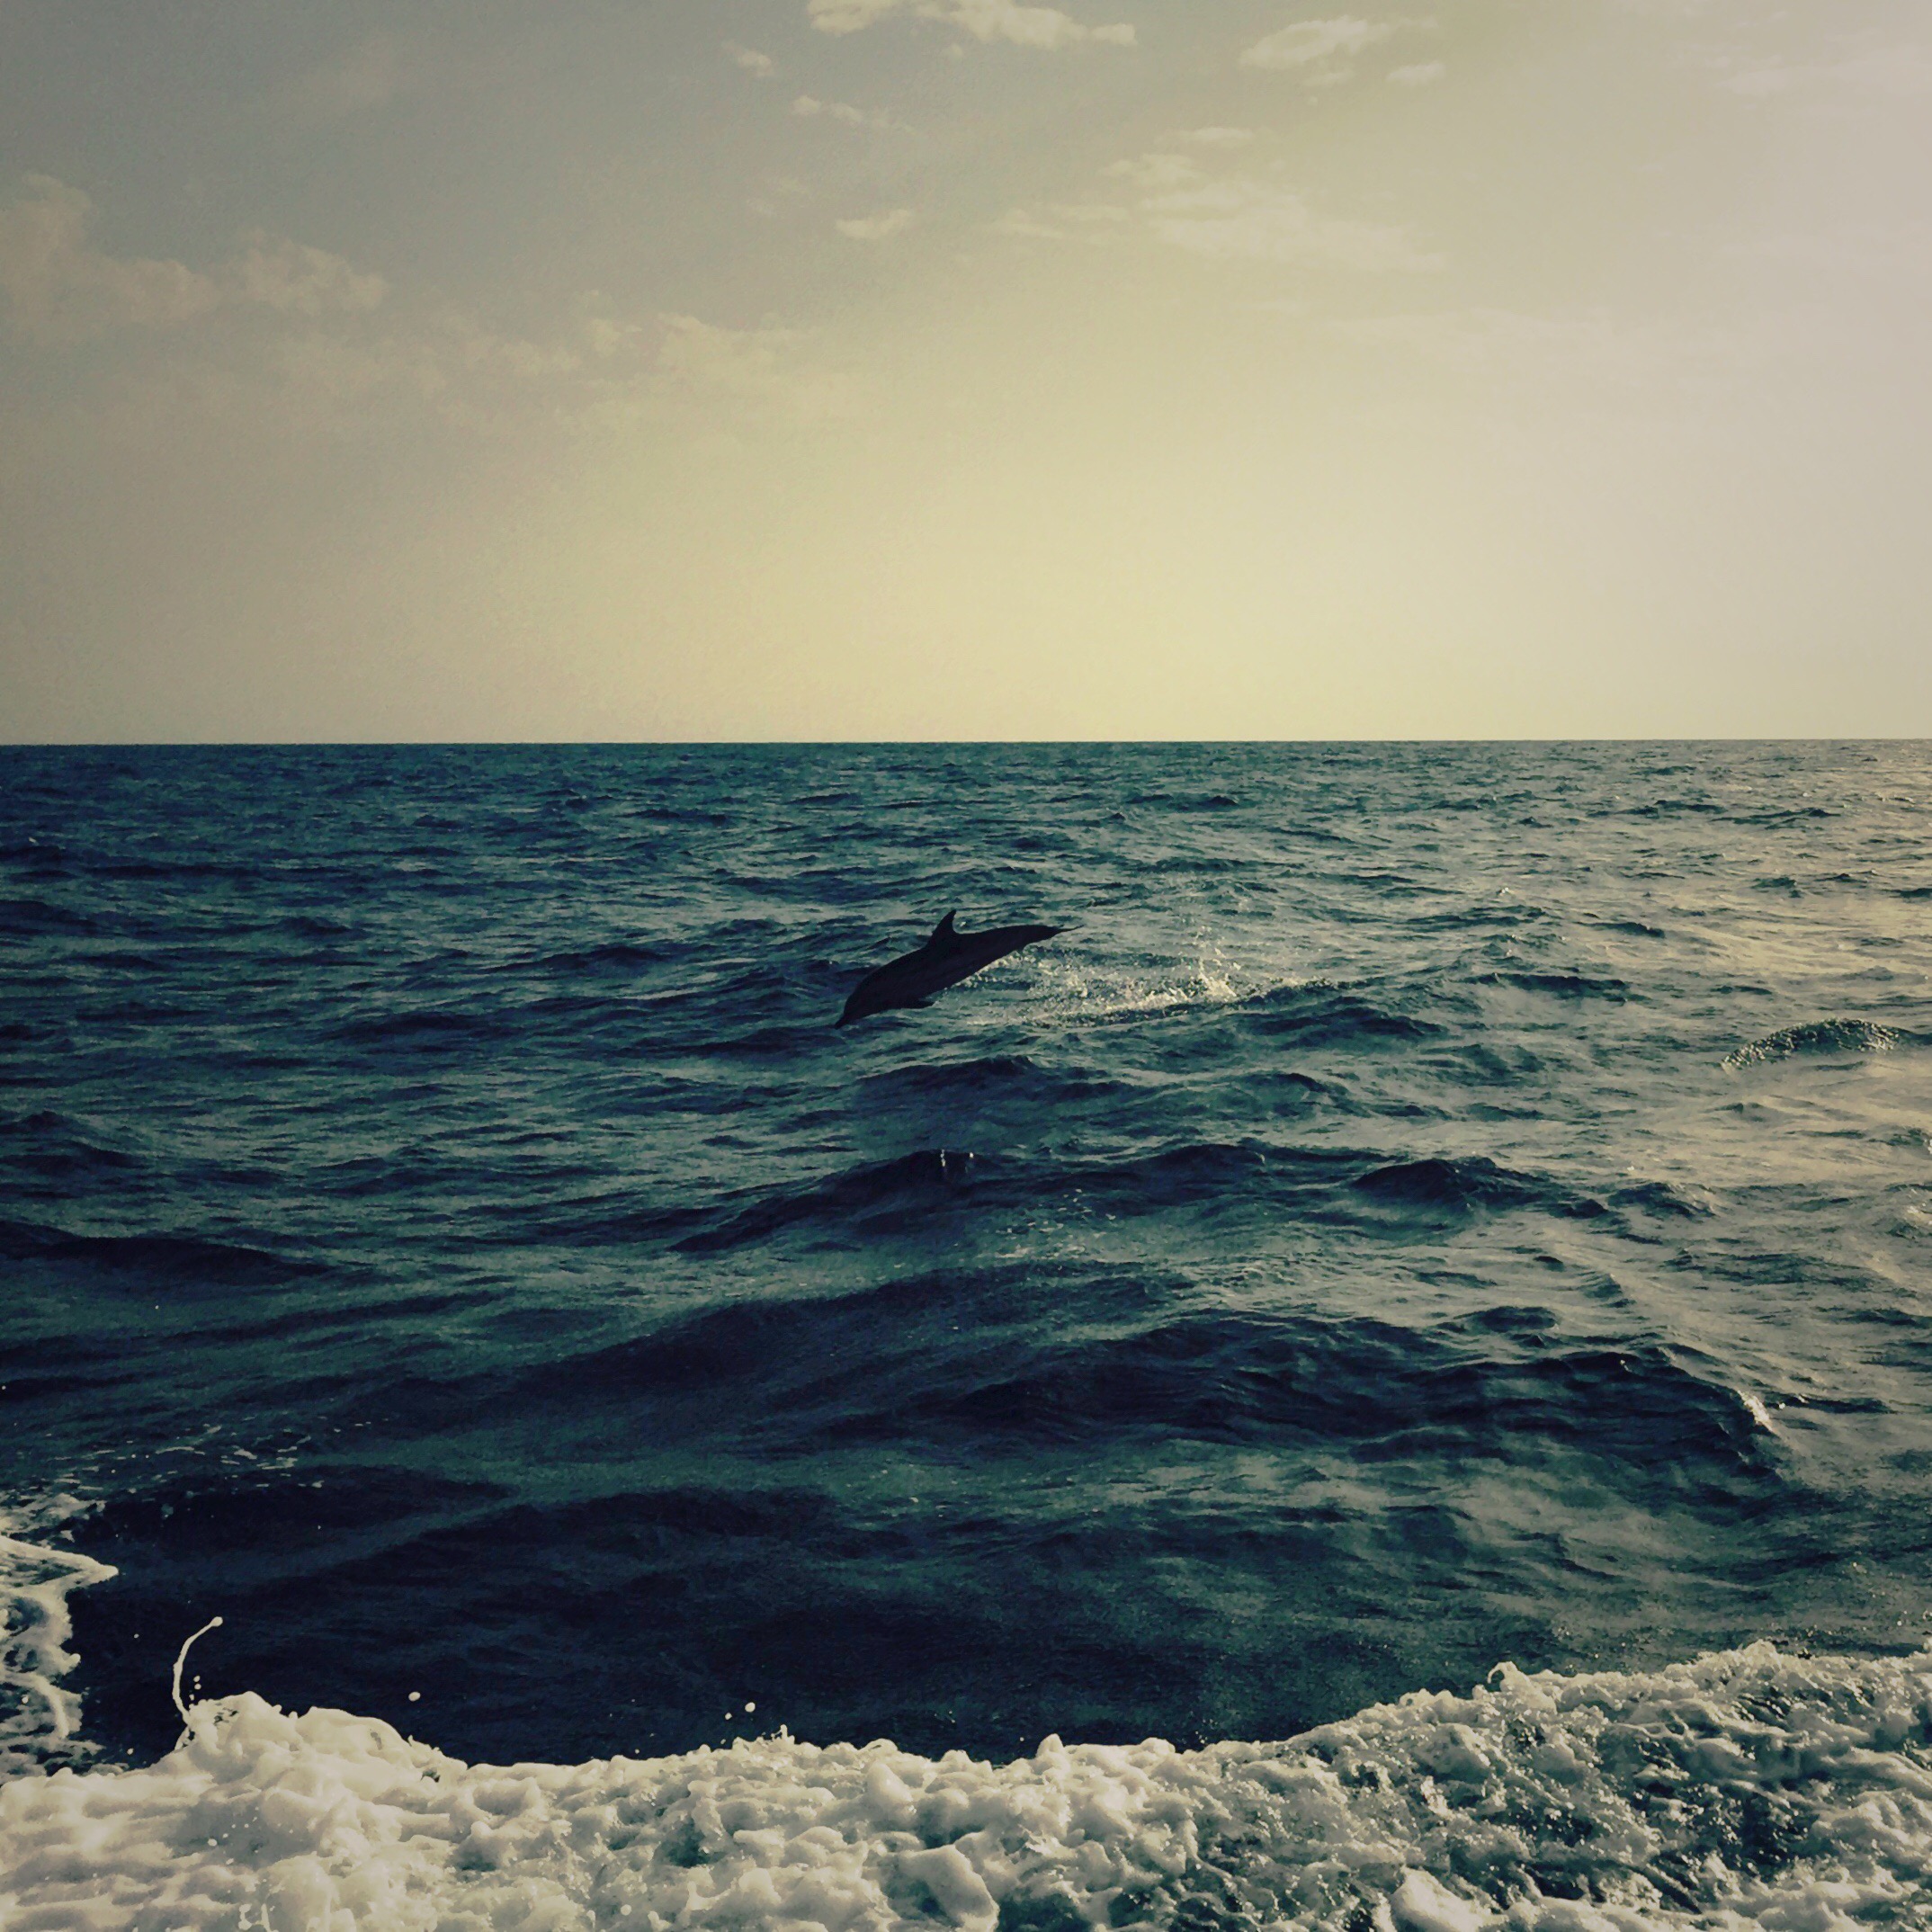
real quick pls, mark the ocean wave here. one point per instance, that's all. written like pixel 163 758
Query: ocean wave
pixel 1821 1037
pixel 49 1145
pixel 1251 1176
pixel 1318 1013
pixel 1747 1788
pixel 39 917
pixel 1560 985
pixel 980 1357
pixel 616 957
pixel 424 1028
pixel 181 1257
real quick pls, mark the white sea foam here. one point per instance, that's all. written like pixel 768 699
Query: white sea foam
pixel 1066 991
pixel 1751 1788
pixel 39 1718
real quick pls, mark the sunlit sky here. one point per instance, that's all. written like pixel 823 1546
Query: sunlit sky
pixel 879 369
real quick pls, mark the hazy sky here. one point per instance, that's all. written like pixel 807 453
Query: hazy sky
pixel 621 369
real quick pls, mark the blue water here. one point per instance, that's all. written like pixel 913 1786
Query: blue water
pixel 1434 1205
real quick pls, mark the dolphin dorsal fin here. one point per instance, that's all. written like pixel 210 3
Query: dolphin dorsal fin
pixel 944 930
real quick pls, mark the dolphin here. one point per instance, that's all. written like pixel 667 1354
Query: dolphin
pixel 944 959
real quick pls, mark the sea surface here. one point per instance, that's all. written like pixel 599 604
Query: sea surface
pixel 1435 1208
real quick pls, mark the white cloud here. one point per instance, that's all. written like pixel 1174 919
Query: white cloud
pixel 1246 219
pixel 293 340
pixel 1240 217
pixel 1087 222
pixel 1322 52
pixel 876 228
pixel 758 371
pixel 1422 74
pixel 59 287
pixel 1043 27
pixel 1218 137
pixel 294 279
pixel 1156 171
pixel 750 59
pixel 807 108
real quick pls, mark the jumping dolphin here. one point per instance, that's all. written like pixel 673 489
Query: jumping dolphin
pixel 944 959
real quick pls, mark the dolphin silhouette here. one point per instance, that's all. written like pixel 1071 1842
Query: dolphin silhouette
pixel 944 959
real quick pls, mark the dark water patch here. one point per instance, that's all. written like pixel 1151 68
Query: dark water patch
pixel 923 1191
pixel 1789 815
pixel 48 1144
pixel 54 1368
pixel 1460 1186
pixel 815 1342
pixel 1480 918
pixel 1225 1378
pixel 1677 809
pixel 425 1028
pixel 364 1316
pixel 617 957
pixel 193 1521
pixel 30 918
pixel 993 1078
pixel 880 1197
pixel 1662 1198
pixel 176 1260
pixel 1331 1015
pixel 170 871
pixel 1559 985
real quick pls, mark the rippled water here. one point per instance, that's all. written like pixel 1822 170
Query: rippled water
pixel 1436 1205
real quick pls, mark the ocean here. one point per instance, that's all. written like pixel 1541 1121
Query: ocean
pixel 1382 1379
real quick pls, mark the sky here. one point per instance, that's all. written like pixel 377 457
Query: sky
pixel 964 369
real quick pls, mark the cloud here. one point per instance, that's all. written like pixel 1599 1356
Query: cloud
pixel 807 108
pixel 750 59
pixel 1322 52
pixel 1245 220
pixel 59 287
pixel 1042 27
pixel 877 227
pixel 294 279
pixel 1240 217
pixel 1158 171
pixel 289 339
pixel 759 372
pixel 1423 74
pixel 1087 222
pixel 370 76
pixel 1218 137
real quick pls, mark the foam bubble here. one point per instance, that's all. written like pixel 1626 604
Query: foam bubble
pixel 1747 1788
pixel 1075 991
pixel 39 1719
